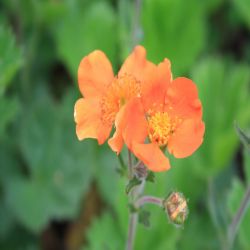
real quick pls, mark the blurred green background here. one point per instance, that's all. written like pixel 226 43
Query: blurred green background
pixel 59 193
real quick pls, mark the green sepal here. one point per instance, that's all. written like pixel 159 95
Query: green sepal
pixel 132 183
pixel 150 176
pixel 122 170
pixel 144 218
pixel 132 208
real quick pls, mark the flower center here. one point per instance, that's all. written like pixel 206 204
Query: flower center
pixel 121 90
pixel 160 128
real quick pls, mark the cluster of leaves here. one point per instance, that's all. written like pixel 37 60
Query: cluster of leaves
pixel 45 173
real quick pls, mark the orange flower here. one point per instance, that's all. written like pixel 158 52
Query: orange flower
pixel 167 115
pixel 106 96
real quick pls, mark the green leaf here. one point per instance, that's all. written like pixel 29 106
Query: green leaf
pixel 7 221
pixel 132 208
pixel 60 167
pixel 243 137
pixel 243 8
pixel 217 202
pixel 9 174
pixel 199 224
pixel 17 237
pixel 59 163
pixel 10 169
pixel 150 176
pixel 104 233
pixel 212 5
pixel 105 173
pixel 223 90
pixel 247 164
pixel 31 204
pixel 85 29
pixel 122 169
pixel 132 183
pixel 8 110
pixel 234 200
pixel 10 57
pixel 174 29
pixel 144 218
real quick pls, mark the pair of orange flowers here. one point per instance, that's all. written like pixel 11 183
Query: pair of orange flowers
pixel 150 110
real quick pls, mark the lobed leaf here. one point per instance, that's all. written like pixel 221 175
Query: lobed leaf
pixel 10 60
pixel 174 29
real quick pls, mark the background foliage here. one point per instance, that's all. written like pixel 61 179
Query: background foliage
pixel 59 193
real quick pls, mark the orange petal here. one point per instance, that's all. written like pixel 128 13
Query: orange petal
pixel 136 129
pixel 94 74
pixel 137 65
pixel 182 99
pixel 88 120
pixel 187 138
pixel 164 71
pixel 154 92
pixel 131 125
pixel 151 156
pixel 116 142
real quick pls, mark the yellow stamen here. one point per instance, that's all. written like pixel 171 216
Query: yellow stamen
pixel 160 128
pixel 119 92
pixel 109 108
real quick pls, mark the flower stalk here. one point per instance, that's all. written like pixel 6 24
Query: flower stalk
pixel 133 197
pixel 133 216
pixel 133 220
pixel 137 200
pixel 149 200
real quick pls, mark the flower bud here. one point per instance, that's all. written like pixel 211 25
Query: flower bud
pixel 140 171
pixel 176 208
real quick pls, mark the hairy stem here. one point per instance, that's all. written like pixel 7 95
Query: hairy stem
pixel 238 218
pixel 137 191
pixel 149 199
pixel 133 218
pixel 133 196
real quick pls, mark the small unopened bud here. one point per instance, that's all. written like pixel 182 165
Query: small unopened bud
pixel 176 208
pixel 140 171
